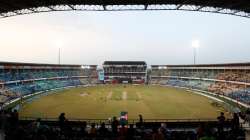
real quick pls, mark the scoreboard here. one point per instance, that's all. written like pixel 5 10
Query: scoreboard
pixel 101 75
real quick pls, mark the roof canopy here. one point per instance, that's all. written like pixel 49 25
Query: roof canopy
pixel 19 7
pixel 207 65
pixel 16 65
pixel 124 63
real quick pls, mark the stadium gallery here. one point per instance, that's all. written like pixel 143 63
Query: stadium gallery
pixel 229 82
pixel 195 93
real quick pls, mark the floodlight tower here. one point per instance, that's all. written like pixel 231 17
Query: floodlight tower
pixel 59 44
pixel 195 45
pixel 59 55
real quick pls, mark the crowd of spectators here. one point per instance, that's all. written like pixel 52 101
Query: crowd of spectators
pixel 241 76
pixel 225 88
pixel 12 91
pixel 16 83
pixel 229 83
pixel 238 92
pixel 14 75
pixel 227 75
pixel 13 129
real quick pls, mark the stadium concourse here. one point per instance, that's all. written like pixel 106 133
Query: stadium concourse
pixel 20 81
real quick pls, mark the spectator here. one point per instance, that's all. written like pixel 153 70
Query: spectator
pixel 235 125
pixel 157 134
pixel 163 129
pixel 131 132
pixel 123 132
pixel 200 131
pixel 140 124
pixel 103 131
pixel 92 131
pixel 83 131
pixel 38 123
pixel 114 125
pixel 247 117
pixel 235 122
pixel 221 121
pixel 62 120
pixel 15 117
pixel 242 115
pixel 208 135
pixel 3 120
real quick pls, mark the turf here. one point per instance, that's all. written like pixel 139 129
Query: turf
pixel 153 102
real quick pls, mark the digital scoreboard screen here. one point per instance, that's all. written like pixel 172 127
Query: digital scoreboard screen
pixel 101 75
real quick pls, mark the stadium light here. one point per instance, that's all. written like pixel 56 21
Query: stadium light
pixel 162 67
pixel 85 67
pixel 59 44
pixel 195 45
pixel 59 56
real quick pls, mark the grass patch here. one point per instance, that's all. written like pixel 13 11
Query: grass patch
pixel 156 102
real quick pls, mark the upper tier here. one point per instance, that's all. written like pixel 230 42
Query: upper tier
pixel 239 72
pixel 10 71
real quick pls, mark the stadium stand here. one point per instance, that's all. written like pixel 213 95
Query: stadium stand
pixel 230 80
pixel 20 79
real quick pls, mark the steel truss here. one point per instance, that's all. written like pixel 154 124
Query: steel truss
pixel 182 7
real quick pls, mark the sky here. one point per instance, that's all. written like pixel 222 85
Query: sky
pixel 157 37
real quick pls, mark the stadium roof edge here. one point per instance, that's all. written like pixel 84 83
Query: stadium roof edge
pixel 206 65
pixel 10 8
pixel 41 64
pixel 124 63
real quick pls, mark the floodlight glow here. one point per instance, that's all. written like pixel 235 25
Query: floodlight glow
pixel 195 43
pixel 162 67
pixel 85 67
pixel 59 43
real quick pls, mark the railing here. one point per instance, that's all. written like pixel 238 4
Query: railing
pixel 37 93
pixel 213 94
pixel 172 124
pixel 203 79
pixel 42 79
pixel 130 121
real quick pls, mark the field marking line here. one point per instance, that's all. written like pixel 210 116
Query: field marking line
pixel 211 97
pixel 84 94
pixel 109 95
pixel 124 95
pixel 139 95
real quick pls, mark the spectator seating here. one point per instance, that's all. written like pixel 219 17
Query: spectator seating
pixel 223 82
pixel 33 74
pixel 22 82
